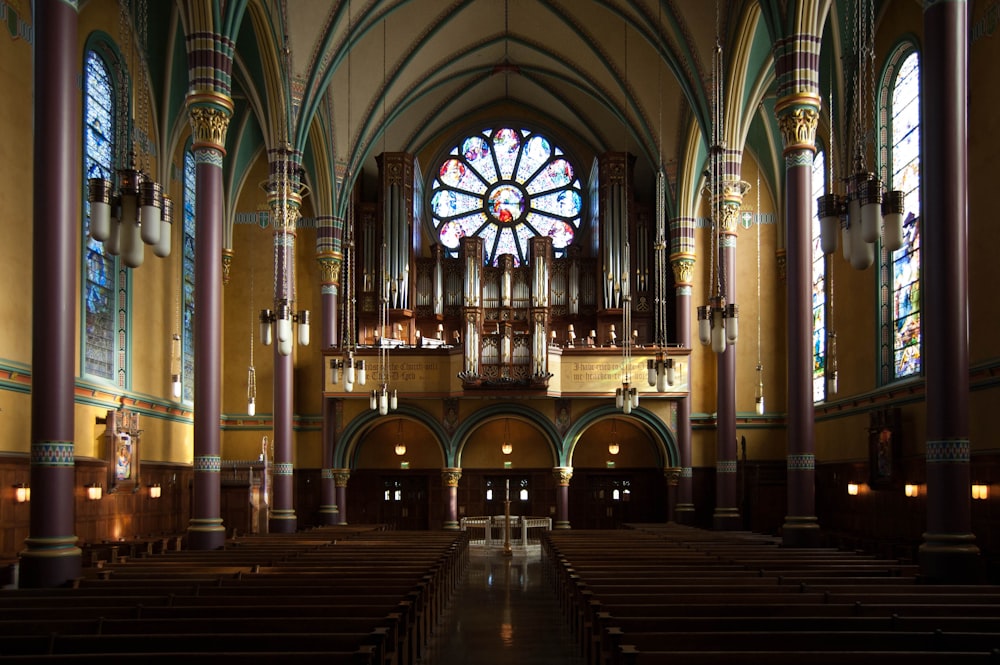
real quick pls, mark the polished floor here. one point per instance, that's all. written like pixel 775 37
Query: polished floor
pixel 502 613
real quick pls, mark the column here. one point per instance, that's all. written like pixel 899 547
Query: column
pixel 209 112
pixel 330 258
pixel 340 478
pixel 682 259
pixel 284 198
pixel 948 553
pixel 451 476
pixel 328 511
pixel 797 111
pixel 730 198
pixel 51 557
pixel 563 475
pixel 673 476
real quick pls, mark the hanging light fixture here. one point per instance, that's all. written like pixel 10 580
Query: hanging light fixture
pixel 400 448
pixel 868 212
pixel 718 320
pixel 506 447
pixel 613 447
pixel 758 397
pixel 285 191
pixel 134 213
pixel 627 396
pixel 660 370
pixel 251 371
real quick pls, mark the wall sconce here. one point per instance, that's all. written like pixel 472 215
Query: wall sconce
pixel 154 491
pixel 852 489
pixel 95 492
pixel 911 490
pixel 980 492
pixel 22 493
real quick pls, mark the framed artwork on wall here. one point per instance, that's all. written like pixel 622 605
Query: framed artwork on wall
pixel 123 435
pixel 883 448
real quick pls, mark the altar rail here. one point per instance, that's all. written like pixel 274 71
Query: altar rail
pixel 487 531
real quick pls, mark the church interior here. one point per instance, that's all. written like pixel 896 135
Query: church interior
pixel 412 263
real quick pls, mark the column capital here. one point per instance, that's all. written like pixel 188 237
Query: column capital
pixel 329 267
pixel 451 476
pixel 341 476
pixel 683 266
pixel 209 116
pixel 227 265
pixel 798 119
pixel 563 474
pixel 673 475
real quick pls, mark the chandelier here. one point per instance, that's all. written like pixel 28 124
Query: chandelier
pixel 613 447
pixel 352 370
pixel 383 399
pixel 284 190
pixel 133 212
pixel 506 447
pixel 718 320
pixel 867 212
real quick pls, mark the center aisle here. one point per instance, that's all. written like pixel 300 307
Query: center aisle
pixel 502 613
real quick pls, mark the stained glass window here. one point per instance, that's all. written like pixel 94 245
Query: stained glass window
pixel 506 186
pixel 818 284
pixel 904 165
pixel 187 287
pixel 100 282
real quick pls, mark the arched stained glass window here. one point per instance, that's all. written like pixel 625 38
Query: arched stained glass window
pixel 187 286
pixel 506 186
pixel 901 160
pixel 818 283
pixel 100 286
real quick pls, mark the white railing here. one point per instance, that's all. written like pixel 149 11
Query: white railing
pixel 487 531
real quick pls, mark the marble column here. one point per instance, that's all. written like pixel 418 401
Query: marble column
pixel 51 557
pixel 284 198
pixel 727 511
pixel 673 476
pixel 682 259
pixel 949 552
pixel 340 478
pixel 798 116
pixel 451 476
pixel 330 259
pixel 563 475
pixel 209 112
pixel 328 511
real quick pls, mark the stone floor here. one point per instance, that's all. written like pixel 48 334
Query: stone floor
pixel 503 612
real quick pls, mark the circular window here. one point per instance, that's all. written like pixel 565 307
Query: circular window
pixel 506 186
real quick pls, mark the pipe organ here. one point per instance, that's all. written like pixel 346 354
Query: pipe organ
pixel 507 317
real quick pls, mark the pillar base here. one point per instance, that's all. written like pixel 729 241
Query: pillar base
pixel 800 531
pixel 206 534
pixel 451 526
pixel 727 519
pixel 282 521
pixel 329 515
pixel 950 558
pixel 561 524
pixel 49 562
pixel 684 514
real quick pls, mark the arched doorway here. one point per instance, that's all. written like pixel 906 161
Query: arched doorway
pixel 488 471
pixel 617 476
pixel 396 478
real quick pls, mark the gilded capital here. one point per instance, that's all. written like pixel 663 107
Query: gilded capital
pixel 563 475
pixel 227 265
pixel 341 476
pixel 798 118
pixel 683 270
pixel 451 476
pixel 673 475
pixel 329 268
pixel 209 125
